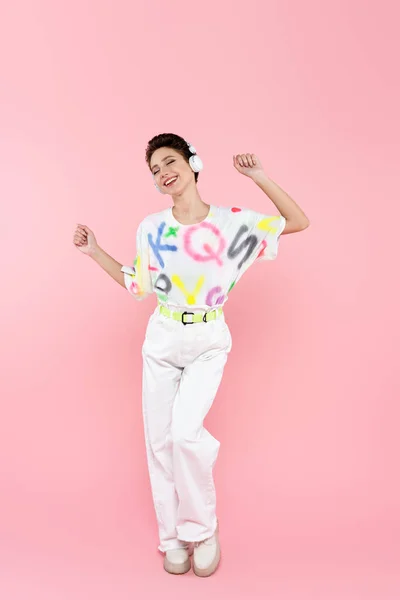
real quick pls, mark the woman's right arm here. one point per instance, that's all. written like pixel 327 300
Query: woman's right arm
pixel 109 264
pixel 85 241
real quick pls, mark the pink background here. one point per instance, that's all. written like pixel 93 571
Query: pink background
pixel 308 412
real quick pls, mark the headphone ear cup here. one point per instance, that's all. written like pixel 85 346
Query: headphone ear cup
pixel 196 163
pixel 156 186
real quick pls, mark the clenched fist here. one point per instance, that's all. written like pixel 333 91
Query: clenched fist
pixel 84 240
pixel 248 164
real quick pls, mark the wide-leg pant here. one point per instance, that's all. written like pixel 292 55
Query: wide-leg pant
pixel 182 370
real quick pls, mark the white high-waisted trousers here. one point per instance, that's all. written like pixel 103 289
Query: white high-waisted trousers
pixel 182 370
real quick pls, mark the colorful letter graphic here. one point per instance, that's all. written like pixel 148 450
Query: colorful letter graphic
pixel 190 296
pixel 265 224
pixel 134 287
pixel 250 243
pixel 172 231
pixel 263 246
pixel 211 295
pixel 138 268
pixel 158 247
pixel 209 253
pixel 163 284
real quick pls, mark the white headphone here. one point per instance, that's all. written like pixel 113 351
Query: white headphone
pixel 195 162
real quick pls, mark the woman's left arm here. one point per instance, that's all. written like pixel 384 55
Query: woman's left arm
pixel 250 165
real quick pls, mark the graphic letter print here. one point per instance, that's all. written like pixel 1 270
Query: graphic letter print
pixel 214 293
pixel 265 224
pixel 206 252
pixel 134 286
pixel 250 243
pixel 163 284
pixel 158 247
pixel 190 296
pixel 262 251
pixel 172 231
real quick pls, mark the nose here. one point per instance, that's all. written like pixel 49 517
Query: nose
pixel 164 174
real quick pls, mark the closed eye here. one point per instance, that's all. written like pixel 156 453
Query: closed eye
pixel 168 163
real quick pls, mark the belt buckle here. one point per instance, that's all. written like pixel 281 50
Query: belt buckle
pixel 187 322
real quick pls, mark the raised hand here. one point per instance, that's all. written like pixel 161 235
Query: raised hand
pixel 248 164
pixel 85 240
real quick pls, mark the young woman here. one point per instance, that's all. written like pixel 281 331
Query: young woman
pixel 191 255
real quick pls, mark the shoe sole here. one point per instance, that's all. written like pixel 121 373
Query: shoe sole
pixel 211 569
pixel 175 569
pixel 214 565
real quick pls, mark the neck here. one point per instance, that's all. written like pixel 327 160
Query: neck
pixel 189 203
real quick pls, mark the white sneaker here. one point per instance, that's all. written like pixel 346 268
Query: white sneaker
pixel 207 555
pixel 177 562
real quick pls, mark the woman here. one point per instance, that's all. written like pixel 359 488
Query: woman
pixel 191 255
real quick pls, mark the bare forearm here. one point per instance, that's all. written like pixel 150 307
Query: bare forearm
pixel 295 217
pixel 108 264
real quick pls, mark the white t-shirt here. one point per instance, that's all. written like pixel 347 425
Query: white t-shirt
pixel 197 265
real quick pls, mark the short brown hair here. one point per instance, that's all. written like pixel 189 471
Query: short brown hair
pixel 169 140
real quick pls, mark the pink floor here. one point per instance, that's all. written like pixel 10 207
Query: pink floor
pixel 122 562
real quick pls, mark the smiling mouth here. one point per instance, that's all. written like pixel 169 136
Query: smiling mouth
pixel 170 181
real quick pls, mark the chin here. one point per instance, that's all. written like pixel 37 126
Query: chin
pixel 177 192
